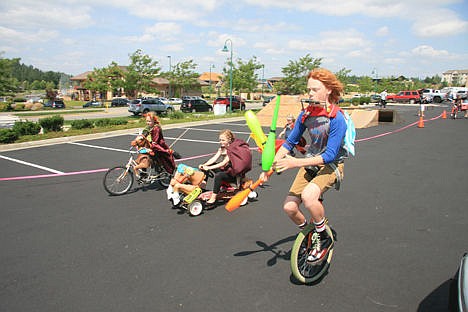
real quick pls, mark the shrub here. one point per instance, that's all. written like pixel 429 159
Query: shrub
pixel 54 123
pixel 8 136
pixel 4 107
pixel 364 100
pixel 19 106
pixel 82 124
pixel 177 115
pixel 109 122
pixel 26 128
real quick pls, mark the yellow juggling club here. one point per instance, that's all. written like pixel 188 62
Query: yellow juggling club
pixel 257 132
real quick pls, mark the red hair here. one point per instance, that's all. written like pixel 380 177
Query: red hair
pixel 330 81
pixel 153 117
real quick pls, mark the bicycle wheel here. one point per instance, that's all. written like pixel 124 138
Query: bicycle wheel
pixel 303 271
pixel 161 176
pixel 118 181
pixel 165 179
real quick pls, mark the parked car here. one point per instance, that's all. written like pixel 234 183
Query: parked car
pixel 267 99
pixel 175 101
pixel 237 102
pixel 411 96
pixel 55 104
pixel 437 96
pixel 195 105
pixel 119 102
pixel 145 105
pixel 92 104
pixel 462 94
pixel 164 100
pixel 375 97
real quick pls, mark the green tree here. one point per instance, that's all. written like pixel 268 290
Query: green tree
pixel 294 81
pixel 366 84
pixel 140 74
pixel 98 82
pixel 343 76
pixel 244 75
pixel 183 77
pixel 7 82
pixel 51 92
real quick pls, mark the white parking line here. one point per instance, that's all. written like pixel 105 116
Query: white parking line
pixel 31 164
pixel 100 147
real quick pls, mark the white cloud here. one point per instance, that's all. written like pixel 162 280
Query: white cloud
pixel 14 36
pixel 430 18
pixel 345 40
pixel 449 25
pixel 164 31
pixel 45 15
pixel 428 51
pixel 382 31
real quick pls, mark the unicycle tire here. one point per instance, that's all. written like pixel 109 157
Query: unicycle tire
pixel 117 180
pixel 302 270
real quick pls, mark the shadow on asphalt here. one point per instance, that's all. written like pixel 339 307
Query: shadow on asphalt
pixel 273 248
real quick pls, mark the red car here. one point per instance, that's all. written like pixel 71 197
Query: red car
pixel 411 96
pixel 237 102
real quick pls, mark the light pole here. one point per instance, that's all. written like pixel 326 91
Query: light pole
pixel 211 90
pixel 170 69
pixel 263 78
pixel 376 77
pixel 225 49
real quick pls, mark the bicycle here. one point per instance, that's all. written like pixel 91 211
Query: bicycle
pixel 119 180
pixel 301 269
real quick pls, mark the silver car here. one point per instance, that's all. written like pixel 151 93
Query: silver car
pixel 145 105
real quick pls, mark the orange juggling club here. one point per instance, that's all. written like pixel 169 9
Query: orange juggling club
pixel 236 201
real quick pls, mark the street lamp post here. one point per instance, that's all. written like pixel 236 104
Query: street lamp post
pixel 263 78
pixel 376 78
pixel 225 49
pixel 211 90
pixel 170 69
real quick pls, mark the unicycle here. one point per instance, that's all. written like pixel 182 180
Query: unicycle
pixel 302 270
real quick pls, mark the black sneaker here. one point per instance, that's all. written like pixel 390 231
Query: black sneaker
pixel 321 245
pixel 176 155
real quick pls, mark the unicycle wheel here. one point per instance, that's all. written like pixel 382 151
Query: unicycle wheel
pixel 301 269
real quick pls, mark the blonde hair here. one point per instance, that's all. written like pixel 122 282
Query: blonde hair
pixel 228 134
pixel 290 116
pixel 330 81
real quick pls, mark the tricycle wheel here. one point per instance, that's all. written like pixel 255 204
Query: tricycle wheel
pixel 253 195
pixel 195 208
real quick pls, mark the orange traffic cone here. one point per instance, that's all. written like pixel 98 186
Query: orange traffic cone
pixel 421 122
pixel 444 115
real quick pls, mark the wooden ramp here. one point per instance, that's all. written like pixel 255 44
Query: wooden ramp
pixel 291 104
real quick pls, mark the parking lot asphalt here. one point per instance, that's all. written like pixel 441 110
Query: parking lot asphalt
pixel 400 217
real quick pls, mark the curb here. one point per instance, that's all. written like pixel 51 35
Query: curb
pixel 85 137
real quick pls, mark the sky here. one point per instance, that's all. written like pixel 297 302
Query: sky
pixel 375 38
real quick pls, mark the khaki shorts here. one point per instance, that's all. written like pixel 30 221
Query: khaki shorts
pixel 325 179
